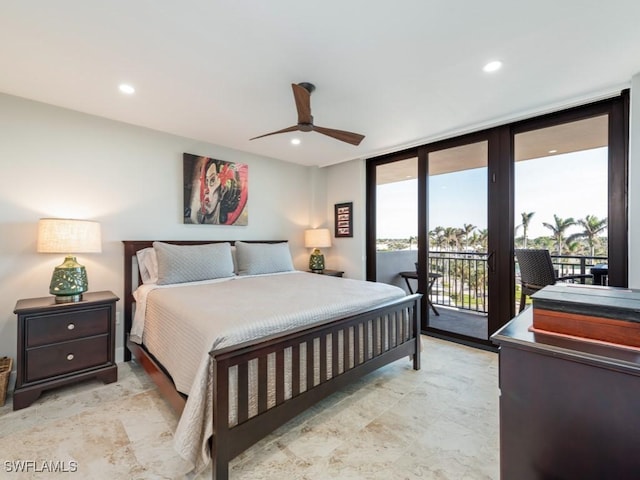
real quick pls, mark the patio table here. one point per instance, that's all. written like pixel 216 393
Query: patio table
pixel 600 274
pixel 432 279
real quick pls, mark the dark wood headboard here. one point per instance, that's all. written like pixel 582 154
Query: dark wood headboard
pixel 130 249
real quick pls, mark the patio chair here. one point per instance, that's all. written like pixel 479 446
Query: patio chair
pixel 536 272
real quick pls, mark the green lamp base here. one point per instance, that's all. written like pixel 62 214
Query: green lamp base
pixel 69 281
pixel 316 261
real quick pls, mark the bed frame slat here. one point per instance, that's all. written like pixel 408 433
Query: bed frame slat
pixel 243 392
pixel 335 353
pixel 263 378
pixel 346 349
pixel 366 331
pixel 376 337
pixel 356 345
pixel 310 363
pixel 384 343
pixel 323 358
pixel 295 370
pixel 280 377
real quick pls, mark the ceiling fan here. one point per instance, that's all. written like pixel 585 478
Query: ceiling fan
pixel 302 94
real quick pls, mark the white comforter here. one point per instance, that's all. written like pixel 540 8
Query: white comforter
pixel 206 316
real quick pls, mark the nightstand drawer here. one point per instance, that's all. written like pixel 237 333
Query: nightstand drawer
pixel 52 328
pixel 44 362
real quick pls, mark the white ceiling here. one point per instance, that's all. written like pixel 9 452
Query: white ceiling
pixel 401 72
pixel 558 139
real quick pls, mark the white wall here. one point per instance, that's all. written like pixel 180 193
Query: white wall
pixel 346 183
pixel 60 163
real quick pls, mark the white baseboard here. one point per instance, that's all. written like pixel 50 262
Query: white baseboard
pixel 119 354
pixel 12 383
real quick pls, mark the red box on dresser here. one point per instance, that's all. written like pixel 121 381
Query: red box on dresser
pixel 606 314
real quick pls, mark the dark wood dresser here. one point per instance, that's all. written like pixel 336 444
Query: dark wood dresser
pixel 63 343
pixel 569 409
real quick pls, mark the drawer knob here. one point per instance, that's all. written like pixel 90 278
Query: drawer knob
pixel 71 326
pixel 70 356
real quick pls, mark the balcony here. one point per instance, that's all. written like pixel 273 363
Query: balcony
pixel 460 295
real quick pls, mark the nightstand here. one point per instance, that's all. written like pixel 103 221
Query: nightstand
pixel 63 343
pixel 331 273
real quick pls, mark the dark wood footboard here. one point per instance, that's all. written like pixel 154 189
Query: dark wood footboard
pixel 364 342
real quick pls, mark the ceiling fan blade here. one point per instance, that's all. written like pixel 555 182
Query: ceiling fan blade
pixel 303 103
pixel 284 130
pixel 349 137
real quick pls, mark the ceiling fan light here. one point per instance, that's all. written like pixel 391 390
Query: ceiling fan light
pixel 127 89
pixel 492 66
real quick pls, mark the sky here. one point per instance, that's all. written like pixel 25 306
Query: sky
pixel 569 185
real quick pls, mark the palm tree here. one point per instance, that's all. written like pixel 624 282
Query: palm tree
pixel 575 247
pixel 559 229
pixel 545 243
pixel 592 227
pixel 437 236
pixel 467 228
pixel 451 237
pixel 483 239
pixel 526 220
pixel 474 241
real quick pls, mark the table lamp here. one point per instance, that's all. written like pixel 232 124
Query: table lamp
pixel 316 239
pixel 62 235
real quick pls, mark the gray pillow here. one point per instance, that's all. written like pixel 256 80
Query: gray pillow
pixel 190 263
pixel 258 258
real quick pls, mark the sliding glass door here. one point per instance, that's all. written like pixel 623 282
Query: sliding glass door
pixel 457 267
pixel 396 226
pixel 559 181
pixel 561 196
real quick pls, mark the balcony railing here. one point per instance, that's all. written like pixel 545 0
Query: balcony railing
pixel 464 276
pixel 464 279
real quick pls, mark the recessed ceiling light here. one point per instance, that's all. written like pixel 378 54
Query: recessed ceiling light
pixel 492 66
pixel 128 89
pixel 295 141
pixel 553 151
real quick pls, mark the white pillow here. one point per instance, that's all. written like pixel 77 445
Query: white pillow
pixel 235 261
pixel 259 258
pixel 190 263
pixel 148 265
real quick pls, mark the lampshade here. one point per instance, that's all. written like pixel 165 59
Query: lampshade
pixel 317 238
pixel 63 235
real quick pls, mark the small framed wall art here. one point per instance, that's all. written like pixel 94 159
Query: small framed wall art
pixel 343 219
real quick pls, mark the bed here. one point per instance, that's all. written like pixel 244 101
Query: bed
pixel 259 375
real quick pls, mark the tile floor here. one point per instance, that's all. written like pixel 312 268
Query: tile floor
pixel 438 423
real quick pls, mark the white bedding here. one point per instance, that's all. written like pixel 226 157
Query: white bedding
pixel 184 322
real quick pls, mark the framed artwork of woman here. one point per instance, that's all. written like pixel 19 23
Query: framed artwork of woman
pixel 215 191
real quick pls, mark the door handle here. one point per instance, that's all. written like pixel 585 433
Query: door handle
pixel 491 262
